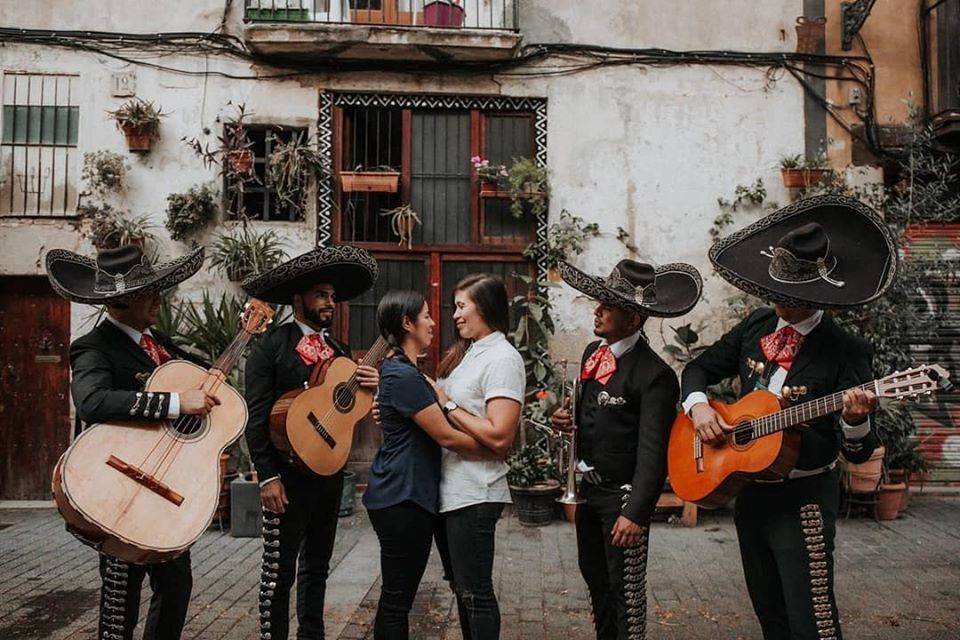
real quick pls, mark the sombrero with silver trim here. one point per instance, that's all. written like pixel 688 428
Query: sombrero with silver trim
pixel 350 270
pixel 116 275
pixel 825 252
pixel 667 291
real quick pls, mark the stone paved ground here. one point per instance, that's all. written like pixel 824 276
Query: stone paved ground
pixel 898 580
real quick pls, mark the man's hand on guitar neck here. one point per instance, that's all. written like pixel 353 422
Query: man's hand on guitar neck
pixel 368 377
pixel 708 423
pixel 857 405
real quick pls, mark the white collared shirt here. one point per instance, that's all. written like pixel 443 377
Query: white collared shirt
pixel 491 368
pixel 173 411
pixel 804 327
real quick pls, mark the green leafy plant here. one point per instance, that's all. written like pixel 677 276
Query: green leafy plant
pixel 528 467
pixel 291 165
pixel 191 211
pixel 104 172
pixel 565 239
pixel 140 116
pixel 753 195
pixel 533 331
pixel 528 187
pixel 110 228
pixel 242 252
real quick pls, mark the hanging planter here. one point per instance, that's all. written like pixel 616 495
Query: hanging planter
pixel 802 178
pixel 403 220
pixel 140 122
pixel 443 13
pixel 370 181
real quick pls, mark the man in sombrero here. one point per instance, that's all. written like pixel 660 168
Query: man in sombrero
pixel 109 366
pixel 827 252
pixel 627 403
pixel 300 508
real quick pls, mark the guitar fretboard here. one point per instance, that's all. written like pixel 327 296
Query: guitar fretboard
pixel 798 414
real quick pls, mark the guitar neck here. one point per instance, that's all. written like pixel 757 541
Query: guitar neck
pixel 798 414
pixel 231 355
pixel 378 350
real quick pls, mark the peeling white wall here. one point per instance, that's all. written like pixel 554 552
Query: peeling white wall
pixel 646 149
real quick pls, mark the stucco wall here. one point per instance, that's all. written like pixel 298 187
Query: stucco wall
pixel 649 150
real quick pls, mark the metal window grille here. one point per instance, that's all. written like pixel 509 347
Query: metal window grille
pixel 260 200
pixel 394 274
pixel 470 14
pixel 39 160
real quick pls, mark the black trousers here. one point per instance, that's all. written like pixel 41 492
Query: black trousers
pixel 616 577
pixel 405 532
pixel 466 541
pixel 297 545
pixel 171 583
pixel 786 532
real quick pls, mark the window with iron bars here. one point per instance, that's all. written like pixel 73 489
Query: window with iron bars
pixel 39 160
pixel 256 198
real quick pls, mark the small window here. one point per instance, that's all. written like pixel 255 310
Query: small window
pixel 257 199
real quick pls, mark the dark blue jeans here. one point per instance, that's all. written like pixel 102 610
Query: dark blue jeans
pixel 466 543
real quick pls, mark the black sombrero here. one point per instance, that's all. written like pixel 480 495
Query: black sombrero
pixel 350 270
pixel 666 292
pixel 827 252
pixel 117 275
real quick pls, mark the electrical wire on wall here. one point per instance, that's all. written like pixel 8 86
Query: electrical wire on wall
pixel 534 61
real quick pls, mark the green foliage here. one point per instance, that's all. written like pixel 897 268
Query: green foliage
pixel 291 166
pixel 565 239
pixel 753 195
pixel 242 252
pixel 528 187
pixel 191 211
pixel 104 172
pixel 528 467
pixel 139 115
pixel 110 228
pixel 533 331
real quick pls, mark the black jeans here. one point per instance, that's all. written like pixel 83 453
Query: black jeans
pixel 405 532
pixel 466 543
pixel 171 583
pixel 297 545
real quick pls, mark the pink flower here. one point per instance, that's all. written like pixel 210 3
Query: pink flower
pixel 503 171
pixel 476 159
pixel 485 163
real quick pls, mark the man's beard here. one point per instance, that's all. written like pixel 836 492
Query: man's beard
pixel 315 318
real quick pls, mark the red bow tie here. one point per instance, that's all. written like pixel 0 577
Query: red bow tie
pixel 313 348
pixel 782 346
pixel 154 349
pixel 600 366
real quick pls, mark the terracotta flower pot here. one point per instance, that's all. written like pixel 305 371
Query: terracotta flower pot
pixel 888 504
pixel 241 160
pixel 370 181
pixel 139 139
pixel 488 186
pixel 797 178
pixel 536 506
pixel 898 476
pixel 865 476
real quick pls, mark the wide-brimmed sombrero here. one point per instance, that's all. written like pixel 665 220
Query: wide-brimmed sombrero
pixel 116 275
pixel 825 252
pixel 667 291
pixel 350 270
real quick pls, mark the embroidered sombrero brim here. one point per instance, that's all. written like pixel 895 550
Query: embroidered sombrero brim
pixel 677 285
pixel 350 270
pixel 861 244
pixel 73 276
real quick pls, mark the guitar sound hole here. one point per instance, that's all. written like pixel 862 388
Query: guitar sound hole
pixel 187 427
pixel 343 398
pixel 743 435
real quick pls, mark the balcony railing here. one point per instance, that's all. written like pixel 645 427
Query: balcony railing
pixel 498 15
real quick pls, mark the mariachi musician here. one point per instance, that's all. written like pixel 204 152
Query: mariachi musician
pixel 110 365
pixel 628 401
pixel 300 508
pixel 826 252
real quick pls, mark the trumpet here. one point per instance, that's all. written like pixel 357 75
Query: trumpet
pixel 569 495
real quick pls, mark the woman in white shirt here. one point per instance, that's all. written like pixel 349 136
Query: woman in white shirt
pixel 480 383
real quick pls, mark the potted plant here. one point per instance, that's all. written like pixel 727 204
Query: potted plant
pixel 490 175
pixel 799 172
pixel 888 502
pixel 289 170
pixel 104 172
pixel 380 180
pixel 191 211
pixel 534 492
pixel 865 476
pixel 403 220
pixel 528 188
pixel 110 228
pixel 140 122
pixel 242 252
pixel 902 458
pixel 443 13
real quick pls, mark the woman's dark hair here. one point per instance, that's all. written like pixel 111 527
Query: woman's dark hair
pixel 489 294
pixel 393 308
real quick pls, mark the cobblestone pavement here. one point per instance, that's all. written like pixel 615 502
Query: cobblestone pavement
pixel 896 580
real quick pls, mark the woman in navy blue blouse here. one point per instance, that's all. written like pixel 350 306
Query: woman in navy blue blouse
pixel 402 493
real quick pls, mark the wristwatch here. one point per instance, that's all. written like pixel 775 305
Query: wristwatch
pixel 449 406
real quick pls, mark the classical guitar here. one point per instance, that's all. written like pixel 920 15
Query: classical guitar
pixel 144 491
pixel 764 440
pixel 314 426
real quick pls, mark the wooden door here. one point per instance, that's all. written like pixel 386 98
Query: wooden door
pixel 34 386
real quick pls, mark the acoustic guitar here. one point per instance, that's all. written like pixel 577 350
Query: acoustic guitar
pixel 144 491
pixel 764 440
pixel 314 426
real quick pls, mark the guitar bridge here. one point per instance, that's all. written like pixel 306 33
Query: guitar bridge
pixel 140 476
pixel 320 429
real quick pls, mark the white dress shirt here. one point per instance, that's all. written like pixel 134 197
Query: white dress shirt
pixel 173 411
pixel 804 327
